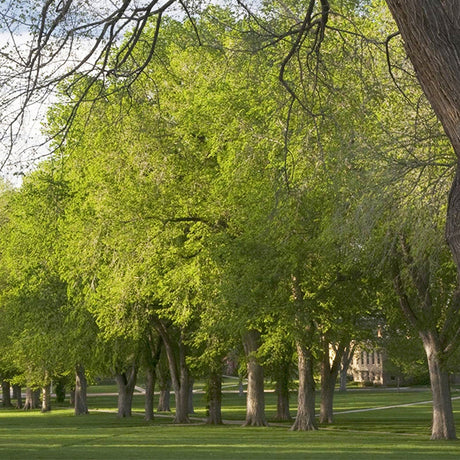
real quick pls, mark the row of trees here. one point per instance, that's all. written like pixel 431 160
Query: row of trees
pixel 206 208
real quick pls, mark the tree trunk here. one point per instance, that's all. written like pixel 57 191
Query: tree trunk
pixel 430 33
pixel 149 393
pixel 305 420
pixel 126 383
pixel 347 357
pixel 164 398
pixel 164 384
pixel 214 396
pixel 6 395
pixel 79 394
pixel 182 393
pixel 190 409
pixel 178 372
pixel 255 398
pixel 153 358
pixel 32 399
pixel 17 394
pixel 329 372
pixel 46 398
pixel 282 394
pixel 443 426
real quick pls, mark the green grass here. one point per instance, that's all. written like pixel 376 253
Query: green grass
pixel 401 432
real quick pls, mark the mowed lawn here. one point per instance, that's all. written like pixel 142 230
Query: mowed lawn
pixel 397 433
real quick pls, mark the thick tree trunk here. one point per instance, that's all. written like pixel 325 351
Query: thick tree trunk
pixel 282 397
pixel 126 383
pixel 79 394
pixel 214 394
pixel 6 395
pixel 17 395
pixel 305 420
pixel 46 398
pixel 182 392
pixel 32 399
pixel 430 33
pixel 443 426
pixel 329 372
pixel 149 393
pixel 164 384
pixel 255 398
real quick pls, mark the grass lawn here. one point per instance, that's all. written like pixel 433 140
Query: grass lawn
pixel 395 433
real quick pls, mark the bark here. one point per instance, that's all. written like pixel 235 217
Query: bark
pixel 164 383
pixel 126 381
pixel 282 396
pixel 430 33
pixel 178 372
pixel 214 394
pixel 443 426
pixel 149 393
pixel 154 353
pixel 6 395
pixel 255 398
pixel 164 398
pixel 79 394
pixel 17 394
pixel 329 373
pixel 305 420
pixel 46 398
pixel 346 361
pixel 182 394
pixel 32 399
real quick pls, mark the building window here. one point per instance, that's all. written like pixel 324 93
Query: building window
pixel 367 357
pixel 362 357
pixel 378 357
pixel 373 357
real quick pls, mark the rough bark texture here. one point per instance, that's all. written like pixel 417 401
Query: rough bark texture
pixel 6 401
pixel 430 33
pixel 255 399
pixel 305 420
pixel 430 30
pixel 79 394
pixel 214 416
pixel 126 381
pixel 443 426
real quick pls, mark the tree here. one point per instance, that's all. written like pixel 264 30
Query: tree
pixel 429 33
